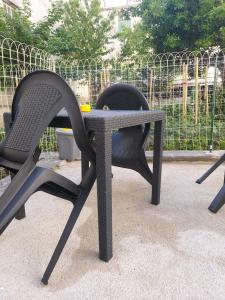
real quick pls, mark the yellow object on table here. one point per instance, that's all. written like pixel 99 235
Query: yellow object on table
pixel 66 129
pixel 85 107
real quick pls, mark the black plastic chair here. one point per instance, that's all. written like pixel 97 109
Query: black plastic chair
pixel 38 98
pixel 219 200
pixel 128 144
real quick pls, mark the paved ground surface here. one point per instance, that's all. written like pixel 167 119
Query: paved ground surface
pixel 189 155
pixel 172 251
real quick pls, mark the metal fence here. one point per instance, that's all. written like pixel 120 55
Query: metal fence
pixel 188 86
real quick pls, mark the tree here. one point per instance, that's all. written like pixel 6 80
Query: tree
pixel 84 33
pixel 217 24
pixel 177 25
pixel 18 26
pixel 45 30
pixel 133 41
pixel 74 30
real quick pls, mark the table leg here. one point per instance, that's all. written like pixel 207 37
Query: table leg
pixel 157 162
pixel 104 191
pixel 84 165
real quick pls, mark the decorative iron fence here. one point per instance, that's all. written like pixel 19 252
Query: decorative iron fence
pixel 188 86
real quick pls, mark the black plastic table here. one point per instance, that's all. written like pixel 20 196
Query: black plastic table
pixel 102 122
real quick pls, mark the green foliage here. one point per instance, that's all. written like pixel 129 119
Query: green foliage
pixel 133 41
pixel 177 25
pixel 18 27
pixel 44 31
pixel 217 24
pixel 75 29
pixel 184 134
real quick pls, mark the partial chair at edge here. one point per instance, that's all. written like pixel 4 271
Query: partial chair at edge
pixel 37 100
pixel 219 200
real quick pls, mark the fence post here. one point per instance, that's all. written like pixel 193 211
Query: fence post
pixel 196 92
pixel 185 90
pixel 213 105
pixel 53 63
pixel 206 91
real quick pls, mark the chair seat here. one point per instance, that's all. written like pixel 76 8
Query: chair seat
pixel 126 145
pixel 128 153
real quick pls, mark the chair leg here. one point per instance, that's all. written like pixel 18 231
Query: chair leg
pixel 4 227
pixel 87 184
pixel 211 170
pixel 84 165
pixel 218 201
pixel 145 172
pixel 21 214
pixel 63 239
pixel 143 169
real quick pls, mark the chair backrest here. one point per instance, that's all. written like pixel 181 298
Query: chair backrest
pixel 122 96
pixel 38 98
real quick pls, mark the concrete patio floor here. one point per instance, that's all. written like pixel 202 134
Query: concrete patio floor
pixel 172 251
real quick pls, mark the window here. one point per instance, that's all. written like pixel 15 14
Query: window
pixel 9 7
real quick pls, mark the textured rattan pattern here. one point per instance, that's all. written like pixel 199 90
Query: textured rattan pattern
pixel 104 120
pixel 34 105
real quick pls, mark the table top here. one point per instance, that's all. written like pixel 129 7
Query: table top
pixel 103 120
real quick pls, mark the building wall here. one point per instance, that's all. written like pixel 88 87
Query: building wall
pixel 39 8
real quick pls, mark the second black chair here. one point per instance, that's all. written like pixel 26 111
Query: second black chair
pixel 128 144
